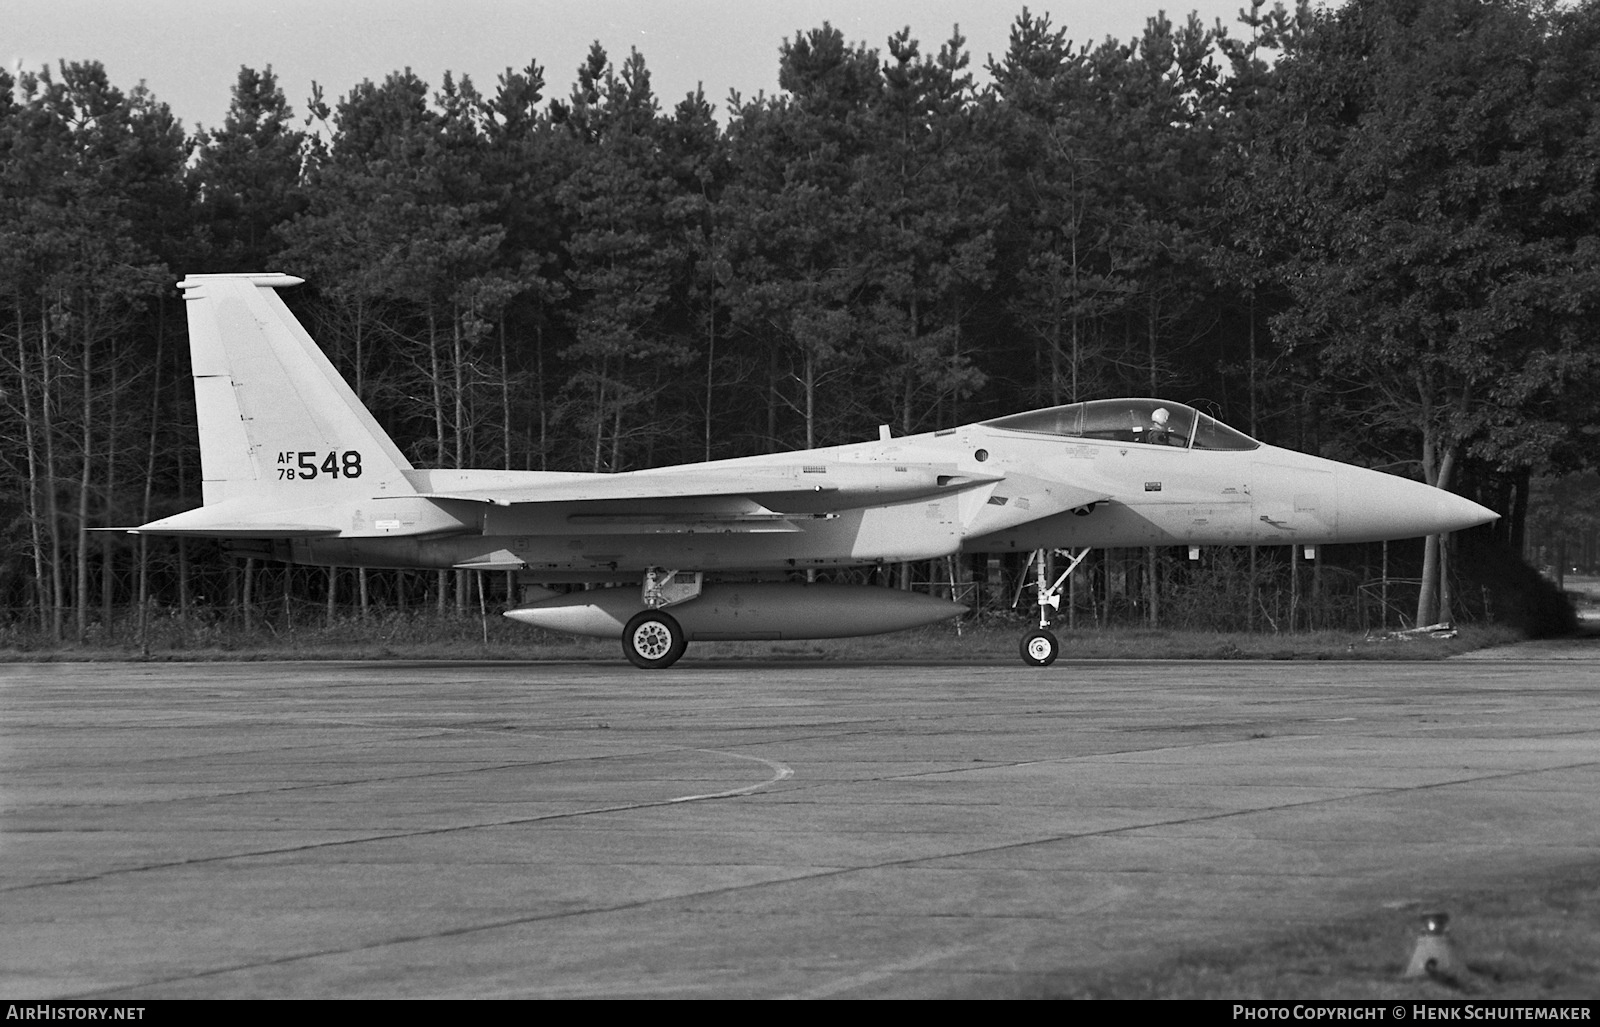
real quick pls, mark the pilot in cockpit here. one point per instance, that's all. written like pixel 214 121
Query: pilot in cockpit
pixel 1159 434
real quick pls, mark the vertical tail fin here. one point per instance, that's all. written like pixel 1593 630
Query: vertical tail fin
pixel 279 427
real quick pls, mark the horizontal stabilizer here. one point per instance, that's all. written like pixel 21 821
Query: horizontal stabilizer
pixel 237 519
pixel 237 531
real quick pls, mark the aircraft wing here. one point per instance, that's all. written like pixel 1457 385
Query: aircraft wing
pixel 832 486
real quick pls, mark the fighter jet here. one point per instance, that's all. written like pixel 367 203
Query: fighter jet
pixel 296 469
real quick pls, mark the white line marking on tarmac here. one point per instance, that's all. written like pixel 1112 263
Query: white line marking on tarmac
pixel 886 970
pixel 780 772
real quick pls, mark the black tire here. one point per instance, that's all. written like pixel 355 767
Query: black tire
pixel 1040 648
pixel 653 640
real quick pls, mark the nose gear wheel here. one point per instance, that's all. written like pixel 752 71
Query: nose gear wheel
pixel 1040 648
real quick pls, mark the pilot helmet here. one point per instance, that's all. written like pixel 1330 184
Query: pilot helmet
pixel 1159 415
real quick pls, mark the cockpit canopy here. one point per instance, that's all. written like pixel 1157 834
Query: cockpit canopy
pixel 1149 421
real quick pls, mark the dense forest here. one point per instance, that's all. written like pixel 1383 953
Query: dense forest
pixel 1371 233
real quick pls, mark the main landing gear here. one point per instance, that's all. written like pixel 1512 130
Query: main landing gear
pixel 652 638
pixel 1040 647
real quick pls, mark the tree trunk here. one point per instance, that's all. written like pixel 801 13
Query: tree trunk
pixel 458 357
pixel 1077 341
pixel 1517 530
pixel 711 345
pixel 35 514
pixel 1250 601
pixel 184 595
pixel 1446 613
pixel 436 381
pixel 1251 594
pixel 599 417
pixel 442 577
pixel 1384 593
pixel 811 399
pixel 505 397
pixel 86 437
pixel 47 430
pixel 1072 598
pixel 1319 613
pixel 1112 559
pixel 772 400
pixel 544 416
pixel 183 556
pixel 361 363
pixel 1428 594
pixel 1151 587
pixel 1294 588
pixel 616 439
pixel 107 554
pixel 149 481
pixel 247 597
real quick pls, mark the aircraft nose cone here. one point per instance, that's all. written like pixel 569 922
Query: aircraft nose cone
pixel 1459 512
pixel 1375 506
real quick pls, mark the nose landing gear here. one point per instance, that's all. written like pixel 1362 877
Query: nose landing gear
pixel 1040 647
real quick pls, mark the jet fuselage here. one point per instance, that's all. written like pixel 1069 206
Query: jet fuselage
pixel 1049 497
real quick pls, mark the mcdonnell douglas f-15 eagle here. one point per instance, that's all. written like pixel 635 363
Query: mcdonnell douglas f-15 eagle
pixel 295 467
